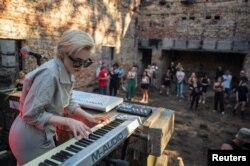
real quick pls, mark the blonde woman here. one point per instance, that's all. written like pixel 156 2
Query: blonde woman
pixel 46 93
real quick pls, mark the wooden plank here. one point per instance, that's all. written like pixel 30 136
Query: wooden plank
pixel 155 115
pixel 151 160
pixel 160 132
pixel 162 160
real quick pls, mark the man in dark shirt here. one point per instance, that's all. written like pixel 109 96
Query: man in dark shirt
pixel 241 141
pixel 243 77
pixel 241 97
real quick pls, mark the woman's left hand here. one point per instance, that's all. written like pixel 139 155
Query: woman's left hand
pixel 99 119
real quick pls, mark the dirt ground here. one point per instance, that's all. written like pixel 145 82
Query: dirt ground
pixel 197 131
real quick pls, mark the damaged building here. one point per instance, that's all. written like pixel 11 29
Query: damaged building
pixel 38 25
pixel 196 33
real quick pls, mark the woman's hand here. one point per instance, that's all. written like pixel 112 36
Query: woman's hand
pixel 99 119
pixel 79 129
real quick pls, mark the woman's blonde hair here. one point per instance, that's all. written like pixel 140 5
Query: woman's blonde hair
pixel 73 41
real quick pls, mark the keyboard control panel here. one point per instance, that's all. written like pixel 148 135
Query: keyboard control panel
pixel 134 109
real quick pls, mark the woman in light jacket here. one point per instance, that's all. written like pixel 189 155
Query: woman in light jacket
pixel 46 93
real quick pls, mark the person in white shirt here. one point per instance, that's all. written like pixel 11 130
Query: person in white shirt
pixel 227 77
pixel 180 75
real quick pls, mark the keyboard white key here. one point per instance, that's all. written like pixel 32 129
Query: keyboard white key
pixel 89 151
pixel 96 101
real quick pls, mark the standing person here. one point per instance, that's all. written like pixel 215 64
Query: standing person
pixel 180 75
pixel 98 68
pixel 179 66
pixel 150 72
pixel 103 80
pixel 195 93
pixel 241 97
pixel 172 70
pixel 243 77
pixel 166 82
pixel 219 95
pixel 205 82
pixel 227 77
pixel 219 73
pixel 190 84
pixel 121 72
pixel 154 78
pixel 144 86
pixel 132 83
pixel 46 93
pixel 113 84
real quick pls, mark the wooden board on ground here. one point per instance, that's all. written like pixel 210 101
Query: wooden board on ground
pixel 155 116
pixel 160 132
pixel 155 133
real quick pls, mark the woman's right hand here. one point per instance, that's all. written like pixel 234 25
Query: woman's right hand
pixel 79 129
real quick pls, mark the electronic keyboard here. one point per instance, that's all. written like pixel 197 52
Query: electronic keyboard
pixel 135 109
pixel 89 151
pixel 96 101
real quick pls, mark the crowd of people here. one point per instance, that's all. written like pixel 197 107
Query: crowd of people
pixel 173 82
pixel 117 78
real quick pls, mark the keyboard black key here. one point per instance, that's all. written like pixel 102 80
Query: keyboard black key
pixel 72 150
pixel 119 120
pixel 57 158
pixel 87 140
pixel 108 128
pixel 99 133
pixel 43 164
pixel 75 147
pixel 113 125
pixel 93 137
pixel 103 130
pixel 62 156
pixel 51 163
pixel 81 144
pixel 66 153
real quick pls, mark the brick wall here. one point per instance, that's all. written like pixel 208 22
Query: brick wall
pixel 212 19
pixel 216 26
pixel 39 24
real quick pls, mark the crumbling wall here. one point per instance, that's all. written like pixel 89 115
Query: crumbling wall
pixel 39 24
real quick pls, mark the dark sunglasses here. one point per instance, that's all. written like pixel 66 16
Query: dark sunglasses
pixel 77 62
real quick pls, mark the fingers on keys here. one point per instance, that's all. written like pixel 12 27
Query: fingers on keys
pixel 81 131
